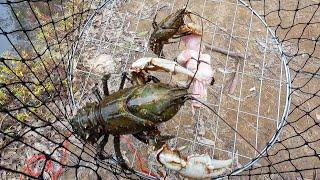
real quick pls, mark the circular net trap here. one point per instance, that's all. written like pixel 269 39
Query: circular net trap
pixel 264 102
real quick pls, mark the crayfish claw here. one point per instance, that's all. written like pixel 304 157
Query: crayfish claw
pixel 205 165
pixel 152 78
pixel 160 64
pixel 160 141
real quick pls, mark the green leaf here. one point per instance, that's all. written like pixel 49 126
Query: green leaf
pixel 21 116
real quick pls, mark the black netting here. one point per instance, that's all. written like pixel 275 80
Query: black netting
pixel 46 75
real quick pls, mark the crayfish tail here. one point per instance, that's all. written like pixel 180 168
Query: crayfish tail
pixel 86 123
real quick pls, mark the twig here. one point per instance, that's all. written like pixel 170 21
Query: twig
pixel 2 120
pixel 223 51
pixel 235 80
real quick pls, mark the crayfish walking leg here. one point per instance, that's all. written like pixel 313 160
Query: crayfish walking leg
pixel 96 92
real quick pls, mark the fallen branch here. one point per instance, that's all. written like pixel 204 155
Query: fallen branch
pixel 223 51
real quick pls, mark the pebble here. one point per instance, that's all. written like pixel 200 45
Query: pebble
pixel 103 63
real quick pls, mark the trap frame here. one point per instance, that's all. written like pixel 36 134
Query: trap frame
pixel 137 22
pixel 64 59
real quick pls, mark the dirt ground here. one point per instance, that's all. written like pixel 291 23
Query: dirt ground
pixel 255 108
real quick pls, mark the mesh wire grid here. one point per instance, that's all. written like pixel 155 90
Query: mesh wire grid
pixel 133 28
pixel 36 104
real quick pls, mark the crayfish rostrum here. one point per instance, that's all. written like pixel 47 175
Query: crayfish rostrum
pixel 136 110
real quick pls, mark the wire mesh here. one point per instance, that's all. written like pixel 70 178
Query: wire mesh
pixel 65 47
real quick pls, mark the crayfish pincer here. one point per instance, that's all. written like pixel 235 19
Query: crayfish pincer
pixel 136 110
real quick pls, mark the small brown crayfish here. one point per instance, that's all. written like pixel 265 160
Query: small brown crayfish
pixel 173 26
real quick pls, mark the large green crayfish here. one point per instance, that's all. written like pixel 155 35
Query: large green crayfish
pixel 136 110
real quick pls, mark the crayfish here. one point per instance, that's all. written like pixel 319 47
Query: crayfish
pixel 173 26
pixel 136 110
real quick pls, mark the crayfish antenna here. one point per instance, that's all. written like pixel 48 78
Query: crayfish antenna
pixel 198 59
pixel 188 13
pixel 185 7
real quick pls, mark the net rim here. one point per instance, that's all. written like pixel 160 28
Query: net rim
pixel 281 121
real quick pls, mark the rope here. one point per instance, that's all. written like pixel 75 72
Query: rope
pixel 140 162
pixel 49 168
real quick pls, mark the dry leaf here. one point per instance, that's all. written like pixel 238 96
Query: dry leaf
pixel 254 65
pixel 252 89
pixel 205 141
pixel 225 71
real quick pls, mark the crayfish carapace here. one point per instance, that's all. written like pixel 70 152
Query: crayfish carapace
pixel 136 110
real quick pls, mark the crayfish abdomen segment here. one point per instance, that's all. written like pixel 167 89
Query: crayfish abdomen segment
pixel 86 123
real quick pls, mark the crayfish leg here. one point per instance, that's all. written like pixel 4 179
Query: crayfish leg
pixel 123 80
pixel 181 35
pixel 105 79
pixel 153 136
pixel 96 92
pixel 101 145
pixel 116 143
pixel 138 78
pixel 154 22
